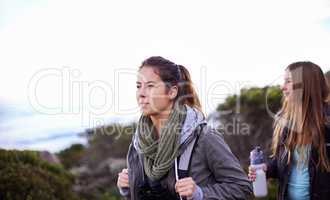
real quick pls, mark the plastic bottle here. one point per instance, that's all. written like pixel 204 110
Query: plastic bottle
pixel 257 162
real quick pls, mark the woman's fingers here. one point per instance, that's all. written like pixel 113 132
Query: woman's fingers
pixel 185 187
pixel 187 193
pixel 252 174
pixel 252 178
pixel 123 179
pixel 184 182
pixel 123 182
pixel 251 169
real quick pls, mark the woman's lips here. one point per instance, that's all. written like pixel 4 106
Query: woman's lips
pixel 143 104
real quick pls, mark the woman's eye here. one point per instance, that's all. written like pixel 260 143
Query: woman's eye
pixel 138 86
pixel 150 86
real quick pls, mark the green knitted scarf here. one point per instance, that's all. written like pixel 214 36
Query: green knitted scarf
pixel 159 154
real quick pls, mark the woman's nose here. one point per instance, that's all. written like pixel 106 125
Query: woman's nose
pixel 141 92
pixel 141 96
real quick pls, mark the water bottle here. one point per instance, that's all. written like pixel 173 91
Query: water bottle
pixel 257 162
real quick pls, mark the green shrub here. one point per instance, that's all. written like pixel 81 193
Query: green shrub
pixel 24 176
pixel 71 156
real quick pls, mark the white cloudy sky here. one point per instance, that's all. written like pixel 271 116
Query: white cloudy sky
pixel 225 44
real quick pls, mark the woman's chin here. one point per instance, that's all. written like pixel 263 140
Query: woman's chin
pixel 145 112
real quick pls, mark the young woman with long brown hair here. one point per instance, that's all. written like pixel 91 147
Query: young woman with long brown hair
pixel 301 140
pixel 174 154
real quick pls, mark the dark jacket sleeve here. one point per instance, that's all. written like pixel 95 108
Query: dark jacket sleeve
pixel 272 171
pixel 231 180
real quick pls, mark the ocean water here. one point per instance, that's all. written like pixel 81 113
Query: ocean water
pixel 23 128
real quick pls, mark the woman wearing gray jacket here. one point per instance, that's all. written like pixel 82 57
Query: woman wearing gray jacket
pixel 174 154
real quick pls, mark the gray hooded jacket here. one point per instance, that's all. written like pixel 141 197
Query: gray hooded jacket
pixel 215 170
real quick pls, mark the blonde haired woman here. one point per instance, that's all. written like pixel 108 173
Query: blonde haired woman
pixel 301 141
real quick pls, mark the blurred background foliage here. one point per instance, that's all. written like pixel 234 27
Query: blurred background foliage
pixel 24 175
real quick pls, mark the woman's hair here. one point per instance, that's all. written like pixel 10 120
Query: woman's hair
pixel 172 74
pixel 327 78
pixel 303 113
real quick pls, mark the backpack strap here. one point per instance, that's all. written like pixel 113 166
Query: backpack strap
pixel 182 162
pixel 185 159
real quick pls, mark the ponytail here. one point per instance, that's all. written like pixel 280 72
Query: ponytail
pixel 187 93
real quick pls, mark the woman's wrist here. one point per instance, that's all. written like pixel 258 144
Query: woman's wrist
pixel 198 194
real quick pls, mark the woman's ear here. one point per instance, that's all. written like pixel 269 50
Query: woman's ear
pixel 173 92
